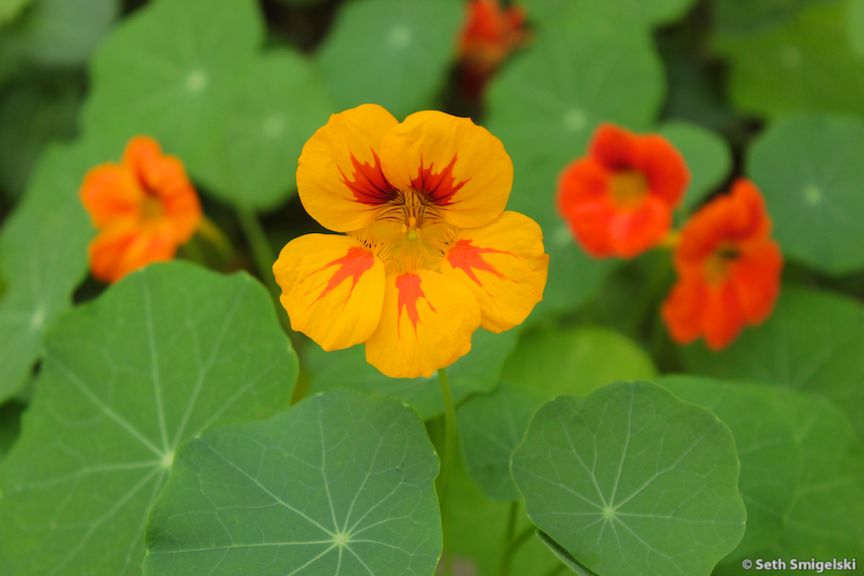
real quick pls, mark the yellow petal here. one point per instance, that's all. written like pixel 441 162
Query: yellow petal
pixel 460 166
pixel 339 175
pixel 426 324
pixel 332 289
pixel 505 267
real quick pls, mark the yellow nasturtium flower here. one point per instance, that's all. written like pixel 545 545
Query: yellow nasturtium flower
pixel 428 255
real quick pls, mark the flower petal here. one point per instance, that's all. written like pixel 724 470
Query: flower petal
pixel 427 323
pixel 111 192
pixel 505 267
pixel 126 247
pixel 332 288
pixel 339 176
pixel 459 166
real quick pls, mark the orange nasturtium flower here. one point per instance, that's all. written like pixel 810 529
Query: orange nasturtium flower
pixel 144 208
pixel 618 200
pixel 429 253
pixel 489 35
pixel 728 270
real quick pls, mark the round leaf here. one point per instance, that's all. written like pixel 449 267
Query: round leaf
pixel 769 453
pixel 278 108
pixel 707 156
pixel 391 52
pixel 630 480
pixel 479 371
pixel 126 380
pixel 650 12
pixel 340 485
pixel 172 71
pixel 810 170
pixel 812 342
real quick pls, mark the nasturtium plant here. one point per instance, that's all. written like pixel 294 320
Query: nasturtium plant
pixel 172 71
pixel 126 380
pixel 810 169
pixel 811 343
pixel 341 484
pixel 632 480
pixel 393 52
pixel 480 371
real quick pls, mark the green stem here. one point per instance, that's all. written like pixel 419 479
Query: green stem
pixel 506 557
pixel 448 457
pixel 212 234
pixel 262 252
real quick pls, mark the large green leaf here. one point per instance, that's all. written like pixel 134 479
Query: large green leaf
pixel 812 342
pixel 707 155
pixel 281 104
pixel 340 485
pixel 479 371
pixel 172 71
pixel 650 12
pixel 807 64
pixel 43 255
pixel 736 18
pixel 810 170
pixel 161 356
pixel 391 52
pixel 631 480
pixel 767 447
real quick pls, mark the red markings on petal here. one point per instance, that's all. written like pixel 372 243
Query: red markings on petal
pixel 439 187
pixel 469 258
pixel 410 293
pixel 369 184
pixel 353 265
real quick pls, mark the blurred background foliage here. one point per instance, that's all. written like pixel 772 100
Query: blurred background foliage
pixel 770 89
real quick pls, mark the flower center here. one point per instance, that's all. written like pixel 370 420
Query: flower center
pixel 408 233
pixel 717 265
pixel 628 188
pixel 151 208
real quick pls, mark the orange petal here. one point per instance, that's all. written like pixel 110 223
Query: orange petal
pixel 427 323
pixel 505 267
pixel 339 176
pixel 332 289
pixel 126 247
pixel 111 192
pixel 457 165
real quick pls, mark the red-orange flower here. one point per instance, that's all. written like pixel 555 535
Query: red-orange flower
pixel 618 200
pixel 144 208
pixel 489 35
pixel 728 270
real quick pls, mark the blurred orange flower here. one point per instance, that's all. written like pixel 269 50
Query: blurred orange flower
pixel 490 34
pixel 618 200
pixel 728 270
pixel 429 255
pixel 144 208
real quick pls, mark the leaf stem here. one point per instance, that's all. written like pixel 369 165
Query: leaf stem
pixel 513 547
pixel 262 252
pixel 447 460
pixel 506 557
pixel 212 234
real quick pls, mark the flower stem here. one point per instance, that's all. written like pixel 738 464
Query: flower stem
pixel 213 235
pixel 449 452
pixel 513 546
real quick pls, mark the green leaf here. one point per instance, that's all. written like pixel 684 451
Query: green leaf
pixel 810 170
pixel 812 342
pixel 564 556
pixel 807 64
pixel 575 361
pixel 161 356
pixel 736 18
pixel 281 104
pixel 341 484
pixel 10 424
pixel 9 9
pixel 856 26
pixel 767 447
pixel 650 12
pixel 172 71
pixel 707 155
pixel 396 53
pixel 630 480
pixel 32 115
pixel 43 256
pixel 57 32
pixel 479 371
pixel 490 427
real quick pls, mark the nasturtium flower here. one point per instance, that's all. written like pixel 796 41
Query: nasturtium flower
pixel 144 209
pixel 429 254
pixel 618 200
pixel 728 270
pixel 491 32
